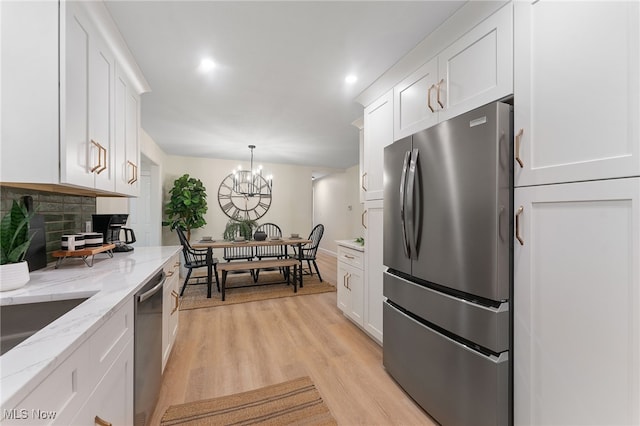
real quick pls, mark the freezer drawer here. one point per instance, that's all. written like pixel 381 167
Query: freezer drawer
pixel 485 326
pixel 454 384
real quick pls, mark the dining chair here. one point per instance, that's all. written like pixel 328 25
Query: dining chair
pixel 277 252
pixel 272 230
pixel 193 259
pixel 310 250
pixel 239 253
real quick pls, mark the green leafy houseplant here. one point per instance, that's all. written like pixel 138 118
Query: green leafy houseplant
pixel 14 242
pixel 187 204
pixel 15 238
pixel 241 227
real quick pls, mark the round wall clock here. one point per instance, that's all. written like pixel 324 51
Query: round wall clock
pixel 243 195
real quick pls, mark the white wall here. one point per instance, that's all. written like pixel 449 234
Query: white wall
pixel 337 206
pixel 112 205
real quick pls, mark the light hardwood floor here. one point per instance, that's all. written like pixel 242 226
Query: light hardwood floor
pixel 229 349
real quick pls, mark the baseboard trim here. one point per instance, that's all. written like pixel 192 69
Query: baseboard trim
pixel 328 252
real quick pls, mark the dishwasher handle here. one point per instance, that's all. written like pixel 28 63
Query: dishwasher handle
pixel 147 294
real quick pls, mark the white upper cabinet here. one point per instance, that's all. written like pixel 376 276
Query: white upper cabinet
pixel 378 133
pixel 474 70
pixel 127 153
pixel 415 105
pixel 101 101
pixel 577 91
pixel 59 97
pixel 29 109
pixel 478 67
pixel 75 149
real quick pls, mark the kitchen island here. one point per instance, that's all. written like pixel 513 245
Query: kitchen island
pixel 108 287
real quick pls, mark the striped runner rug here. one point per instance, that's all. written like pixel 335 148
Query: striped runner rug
pixel 294 402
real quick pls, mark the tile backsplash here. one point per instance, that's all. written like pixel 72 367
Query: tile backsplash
pixel 63 214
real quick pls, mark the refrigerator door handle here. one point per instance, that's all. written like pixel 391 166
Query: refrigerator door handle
pixel 411 182
pixel 403 182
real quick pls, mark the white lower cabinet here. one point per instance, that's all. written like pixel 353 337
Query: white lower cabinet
pixel 373 294
pixel 112 400
pixel 96 380
pixel 170 302
pixel 359 283
pixel 350 283
pixel 577 304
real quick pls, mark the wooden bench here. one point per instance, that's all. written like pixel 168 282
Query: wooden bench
pixel 262 264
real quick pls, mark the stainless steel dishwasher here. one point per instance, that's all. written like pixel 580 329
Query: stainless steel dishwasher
pixel 148 348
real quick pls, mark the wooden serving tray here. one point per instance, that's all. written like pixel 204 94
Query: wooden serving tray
pixel 84 253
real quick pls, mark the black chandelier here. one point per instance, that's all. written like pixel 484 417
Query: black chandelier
pixel 251 183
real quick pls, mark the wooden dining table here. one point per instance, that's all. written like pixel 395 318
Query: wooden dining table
pixel 269 242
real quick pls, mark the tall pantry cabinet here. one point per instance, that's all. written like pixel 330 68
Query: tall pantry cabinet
pixel 577 203
pixel 378 133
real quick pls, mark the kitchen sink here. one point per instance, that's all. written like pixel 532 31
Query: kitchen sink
pixel 19 322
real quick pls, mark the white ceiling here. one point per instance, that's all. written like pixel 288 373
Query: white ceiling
pixel 279 81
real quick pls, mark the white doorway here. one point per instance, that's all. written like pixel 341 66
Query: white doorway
pixel 146 211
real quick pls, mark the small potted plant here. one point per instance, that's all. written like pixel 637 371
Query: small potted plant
pixel 14 242
pixel 239 227
pixel 187 204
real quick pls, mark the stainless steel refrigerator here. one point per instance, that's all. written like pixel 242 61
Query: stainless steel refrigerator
pixel 448 194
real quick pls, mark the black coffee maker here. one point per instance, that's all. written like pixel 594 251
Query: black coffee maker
pixel 111 226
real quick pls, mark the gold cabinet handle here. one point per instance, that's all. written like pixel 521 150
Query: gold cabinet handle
pixel 518 138
pixel 134 172
pixel 348 284
pixel 97 167
pixel 349 257
pixel 344 281
pixel 104 166
pixel 101 422
pixel 102 155
pixel 429 97
pixel 364 187
pixel 362 219
pixel 170 273
pixel 176 264
pixel 176 299
pixel 438 97
pixel 518 237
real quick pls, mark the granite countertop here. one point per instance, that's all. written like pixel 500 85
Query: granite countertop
pixel 351 244
pixel 108 285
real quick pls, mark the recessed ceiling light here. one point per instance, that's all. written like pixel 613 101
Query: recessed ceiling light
pixel 207 65
pixel 350 79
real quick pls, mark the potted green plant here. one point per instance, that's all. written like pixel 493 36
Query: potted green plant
pixel 14 242
pixel 187 204
pixel 239 227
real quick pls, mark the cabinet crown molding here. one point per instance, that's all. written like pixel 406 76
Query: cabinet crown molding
pixel 463 20
pixel 101 18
